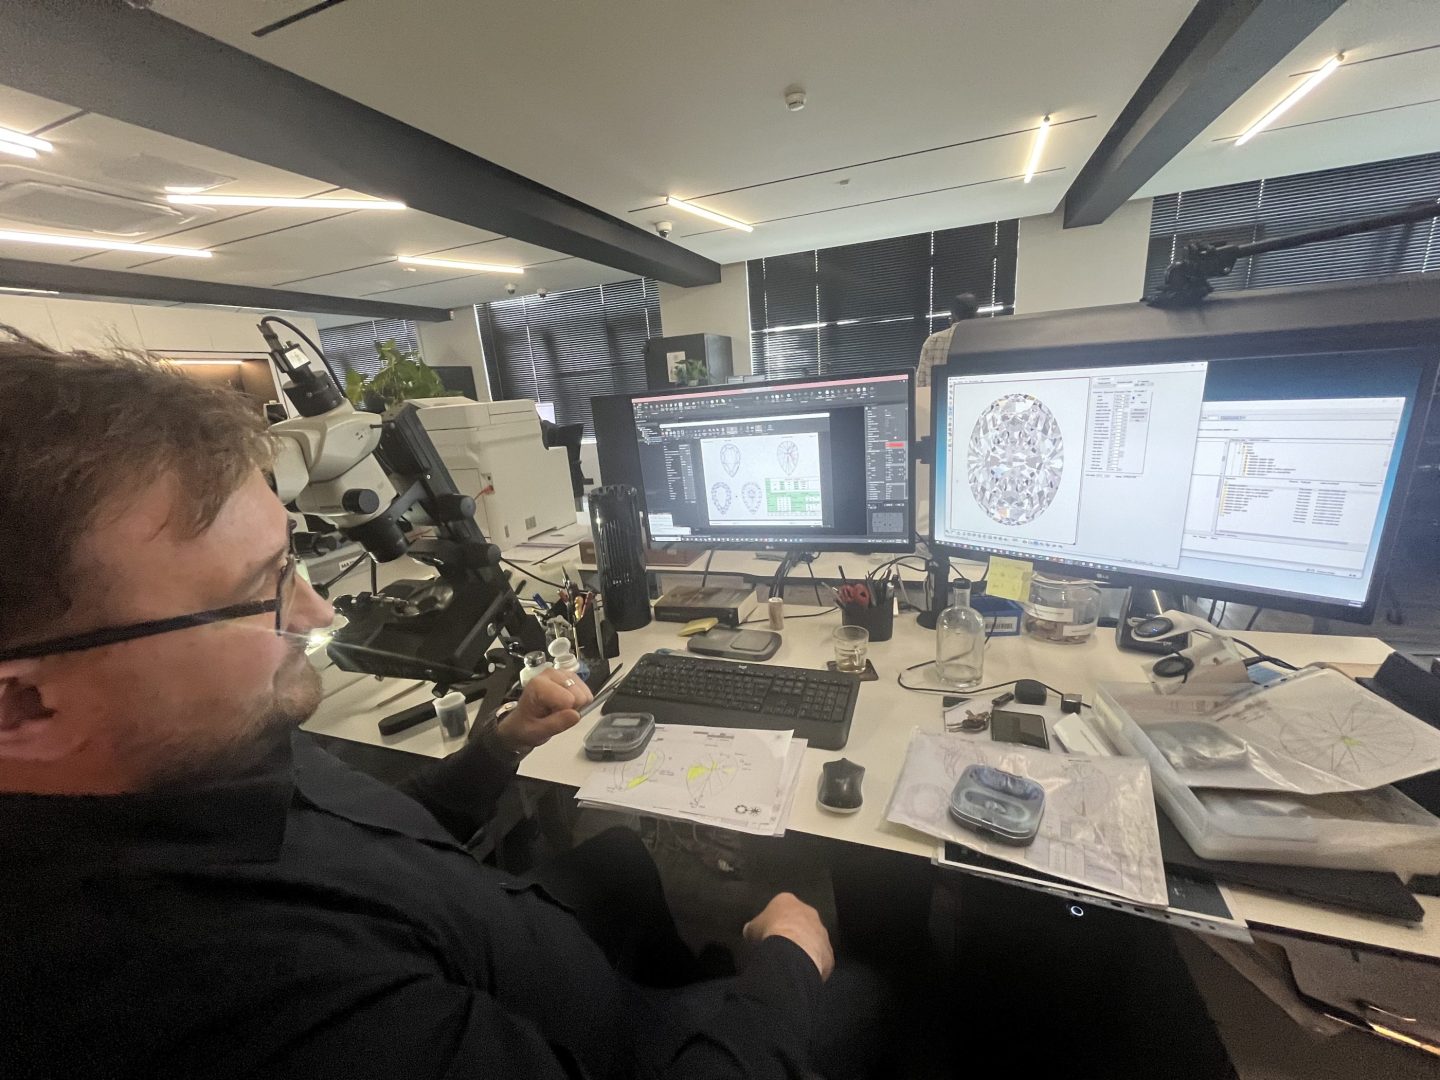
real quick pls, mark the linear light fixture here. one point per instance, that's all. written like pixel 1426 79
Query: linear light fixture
pixel 1037 148
pixel 708 215
pixel 18 289
pixel 456 264
pixel 16 150
pixel 94 244
pixel 30 142
pixel 206 199
pixel 25 143
pixel 203 363
pixel 1314 79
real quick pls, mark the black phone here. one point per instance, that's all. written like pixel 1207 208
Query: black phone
pixel 1025 728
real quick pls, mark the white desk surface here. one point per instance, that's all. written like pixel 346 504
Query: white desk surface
pixel 879 734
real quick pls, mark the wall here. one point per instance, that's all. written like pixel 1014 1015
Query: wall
pixel 91 324
pixel 456 344
pixel 723 308
pixel 1071 268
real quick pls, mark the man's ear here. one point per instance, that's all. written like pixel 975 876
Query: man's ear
pixel 29 730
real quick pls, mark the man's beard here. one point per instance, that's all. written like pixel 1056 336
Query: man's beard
pixel 250 746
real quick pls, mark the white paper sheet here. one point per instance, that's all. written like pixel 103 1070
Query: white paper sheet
pixel 729 778
pixel 1098 827
pixel 1315 733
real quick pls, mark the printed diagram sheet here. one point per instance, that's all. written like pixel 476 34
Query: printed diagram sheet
pixel 1315 733
pixel 732 779
pixel 1098 827
pixel 763 479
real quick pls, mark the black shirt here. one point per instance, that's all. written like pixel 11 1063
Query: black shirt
pixel 311 922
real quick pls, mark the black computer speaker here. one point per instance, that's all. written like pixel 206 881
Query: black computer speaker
pixel 620 555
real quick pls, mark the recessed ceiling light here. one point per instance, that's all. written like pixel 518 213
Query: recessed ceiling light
pixel 94 244
pixel 1314 79
pixel 18 289
pixel 455 264
pixel 30 142
pixel 708 215
pixel 1037 148
pixel 183 189
pixel 16 150
pixel 206 199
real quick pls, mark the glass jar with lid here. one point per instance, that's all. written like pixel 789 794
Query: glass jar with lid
pixel 1063 610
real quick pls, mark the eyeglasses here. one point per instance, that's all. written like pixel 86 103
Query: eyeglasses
pixel 284 592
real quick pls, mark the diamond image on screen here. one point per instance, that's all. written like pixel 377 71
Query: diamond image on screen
pixel 1016 459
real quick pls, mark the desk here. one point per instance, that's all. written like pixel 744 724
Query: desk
pixel 879 734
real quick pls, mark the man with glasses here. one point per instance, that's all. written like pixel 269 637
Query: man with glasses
pixel 191 888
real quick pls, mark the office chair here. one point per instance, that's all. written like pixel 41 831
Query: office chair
pixel 568 436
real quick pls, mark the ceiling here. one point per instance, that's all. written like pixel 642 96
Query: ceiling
pixel 920 115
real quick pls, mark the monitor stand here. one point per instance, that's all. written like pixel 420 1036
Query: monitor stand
pixel 792 558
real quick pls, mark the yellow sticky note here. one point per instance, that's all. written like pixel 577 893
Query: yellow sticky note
pixel 1009 578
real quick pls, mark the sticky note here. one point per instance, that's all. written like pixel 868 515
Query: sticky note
pixel 1009 578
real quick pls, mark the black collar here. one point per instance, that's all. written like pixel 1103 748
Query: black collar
pixel 238 821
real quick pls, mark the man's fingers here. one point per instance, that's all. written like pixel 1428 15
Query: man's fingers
pixel 550 693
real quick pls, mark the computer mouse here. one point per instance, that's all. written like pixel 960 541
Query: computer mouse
pixel 840 786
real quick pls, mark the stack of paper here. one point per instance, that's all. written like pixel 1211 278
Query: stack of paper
pixel 1098 827
pixel 731 779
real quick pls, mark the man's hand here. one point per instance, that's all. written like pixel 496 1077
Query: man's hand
pixel 549 704
pixel 788 916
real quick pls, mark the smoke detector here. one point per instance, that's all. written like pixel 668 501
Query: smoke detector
pixel 794 98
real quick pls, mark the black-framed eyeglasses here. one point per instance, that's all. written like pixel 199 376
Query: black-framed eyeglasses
pixel 94 639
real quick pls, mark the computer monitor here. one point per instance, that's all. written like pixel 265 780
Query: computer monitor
pixel 1273 480
pixel 818 464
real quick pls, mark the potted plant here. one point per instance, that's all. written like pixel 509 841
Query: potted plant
pixel 402 376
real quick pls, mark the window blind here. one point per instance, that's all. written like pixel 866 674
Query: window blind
pixel 568 347
pixel 869 307
pixel 352 347
pixel 1264 209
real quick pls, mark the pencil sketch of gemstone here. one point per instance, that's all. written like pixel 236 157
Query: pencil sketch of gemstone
pixel 1016 459
pixel 788 454
pixel 730 458
pixel 751 496
pixel 721 496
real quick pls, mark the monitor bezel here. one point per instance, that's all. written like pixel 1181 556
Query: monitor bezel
pixel 1226 348
pixel 903 544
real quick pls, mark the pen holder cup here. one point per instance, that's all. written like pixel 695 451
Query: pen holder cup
pixel 879 620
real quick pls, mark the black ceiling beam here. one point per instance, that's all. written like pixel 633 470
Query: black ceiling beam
pixel 1221 51
pixel 140 67
pixel 88 281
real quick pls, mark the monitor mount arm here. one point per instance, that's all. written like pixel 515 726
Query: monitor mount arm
pixel 1187 281
pixel 373 477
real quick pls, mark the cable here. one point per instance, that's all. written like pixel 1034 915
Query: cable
pixel 319 352
pixel 807 615
pixel 900 681
pixel 704 576
pixel 537 577
pixel 815 584
pixel 1263 657
pixel 343 571
pixel 1253 616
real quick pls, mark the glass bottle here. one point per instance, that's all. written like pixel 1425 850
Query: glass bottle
pixel 1062 610
pixel 960 647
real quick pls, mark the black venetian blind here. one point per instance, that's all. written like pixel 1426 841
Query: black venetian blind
pixel 352 347
pixel 569 347
pixel 869 307
pixel 1263 209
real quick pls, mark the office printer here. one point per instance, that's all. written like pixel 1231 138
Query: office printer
pixel 495 452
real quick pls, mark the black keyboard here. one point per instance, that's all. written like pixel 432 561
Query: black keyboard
pixel 682 689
